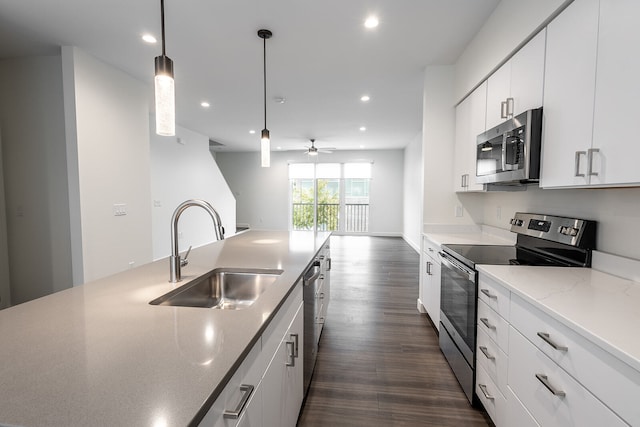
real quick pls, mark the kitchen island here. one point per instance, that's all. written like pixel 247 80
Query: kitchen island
pixel 99 354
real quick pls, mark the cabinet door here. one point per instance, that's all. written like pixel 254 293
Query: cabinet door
pixel 470 122
pixel 527 75
pixel 282 388
pixel 617 94
pixel 498 90
pixel 432 290
pixel 570 73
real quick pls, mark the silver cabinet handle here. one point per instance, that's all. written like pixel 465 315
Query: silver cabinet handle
pixel 503 110
pixel 328 263
pixel 294 337
pixel 545 336
pixel 510 105
pixel 590 152
pixel 483 388
pixel 246 390
pixel 489 294
pixel 545 381
pixel 462 181
pixel 429 268
pixel 291 353
pixel 486 353
pixel 577 166
pixel 486 323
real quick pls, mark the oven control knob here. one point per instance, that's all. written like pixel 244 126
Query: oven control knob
pixel 519 223
pixel 512 221
pixel 573 231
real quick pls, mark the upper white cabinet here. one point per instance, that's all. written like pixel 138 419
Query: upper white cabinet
pixel 470 122
pixel 591 87
pixel 570 75
pixel 617 95
pixel 517 86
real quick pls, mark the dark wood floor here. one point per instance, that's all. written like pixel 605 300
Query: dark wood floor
pixel 379 363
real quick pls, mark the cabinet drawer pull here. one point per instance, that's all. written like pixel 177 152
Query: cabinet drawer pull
pixel 291 353
pixel 489 294
pixel 510 108
pixel 590 152
pixel 429 268
pixel 246 390
pixel 545 382
pixel 577 166
pixel 486 323
pixel 486 353
pixel 483 389
pixel 294 337
pixel 549 341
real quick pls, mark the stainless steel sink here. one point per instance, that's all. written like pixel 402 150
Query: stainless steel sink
pixel 222 288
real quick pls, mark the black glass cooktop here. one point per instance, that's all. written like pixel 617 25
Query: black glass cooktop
pixel 496 255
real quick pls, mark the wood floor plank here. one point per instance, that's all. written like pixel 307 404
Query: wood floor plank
pixel 379 362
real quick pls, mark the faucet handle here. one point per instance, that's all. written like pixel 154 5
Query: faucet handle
pixel 184 261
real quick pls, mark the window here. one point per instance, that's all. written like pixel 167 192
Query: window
pixel 330 196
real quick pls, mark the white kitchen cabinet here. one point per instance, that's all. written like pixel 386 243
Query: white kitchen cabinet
pixel 430 284
pixel 470 122
pixel 591 89
pixel 517 86
pixel 282 384
pixel 266 369
pixel 551 395
pixel 617 92
pixel 570 75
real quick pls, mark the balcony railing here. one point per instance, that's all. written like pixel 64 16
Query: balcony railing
pixel 356 217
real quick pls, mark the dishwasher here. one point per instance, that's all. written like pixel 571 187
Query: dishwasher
pixel 311 327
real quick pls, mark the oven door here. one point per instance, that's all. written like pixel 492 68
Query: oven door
pixel 458 304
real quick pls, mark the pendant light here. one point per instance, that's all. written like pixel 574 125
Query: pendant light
pixel 164 89
pixel 265 140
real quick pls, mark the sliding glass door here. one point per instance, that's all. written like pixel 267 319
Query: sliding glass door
pixel 330 196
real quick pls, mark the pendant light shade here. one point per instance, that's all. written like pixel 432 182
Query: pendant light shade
pixel 164 89
pixel 265 140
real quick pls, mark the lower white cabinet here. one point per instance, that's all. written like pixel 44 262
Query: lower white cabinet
pixel 550 394
pixel 282 383
pixel 267 390
pixel 430 275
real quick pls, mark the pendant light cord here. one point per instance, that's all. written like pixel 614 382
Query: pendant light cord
pixel 264 73
pixel 162 25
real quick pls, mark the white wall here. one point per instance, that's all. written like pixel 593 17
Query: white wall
pixel 181 171
pixel 262 194
pixel 412 193
pixel 111 119
pixel 5 289
pixel 509 25
pixel 34 157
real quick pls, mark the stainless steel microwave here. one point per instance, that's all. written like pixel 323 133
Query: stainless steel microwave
pixel 510 152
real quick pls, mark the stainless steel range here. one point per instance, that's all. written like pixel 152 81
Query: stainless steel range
pixel 541 240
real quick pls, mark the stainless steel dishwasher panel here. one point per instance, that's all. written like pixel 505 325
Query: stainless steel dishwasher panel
pixel 311 326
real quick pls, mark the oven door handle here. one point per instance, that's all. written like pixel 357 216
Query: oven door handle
pixel 450 263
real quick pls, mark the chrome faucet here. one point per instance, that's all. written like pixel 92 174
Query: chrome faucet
pixel 175 263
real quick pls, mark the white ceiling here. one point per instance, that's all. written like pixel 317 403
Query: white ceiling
pixel 320 58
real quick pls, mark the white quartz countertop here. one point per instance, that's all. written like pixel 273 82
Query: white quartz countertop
pixel 474 238
pixel 604 309
pixel 99 354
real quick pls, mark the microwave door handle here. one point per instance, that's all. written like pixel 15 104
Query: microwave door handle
pixel 446 261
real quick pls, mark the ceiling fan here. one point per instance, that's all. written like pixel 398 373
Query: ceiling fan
pixel 313 150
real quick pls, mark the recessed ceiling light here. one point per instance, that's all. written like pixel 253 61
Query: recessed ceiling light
pixel 205 104
pixel 148 38
pixel 279 148
pixel 252 131
pixel 362 128
pixel 365 98
pixel 361 146
pixel 371 22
